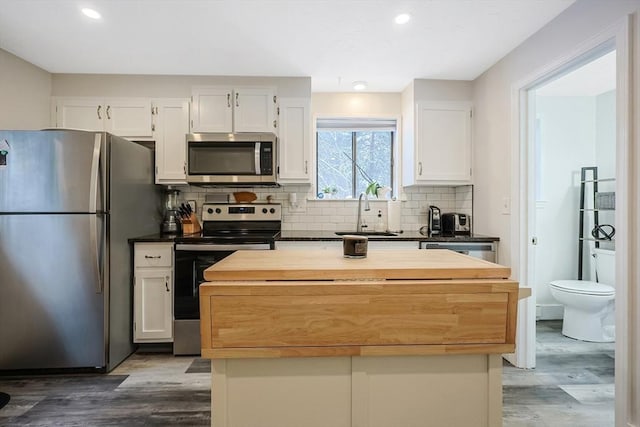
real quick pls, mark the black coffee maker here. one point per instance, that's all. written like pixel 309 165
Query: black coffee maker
pixel 435 221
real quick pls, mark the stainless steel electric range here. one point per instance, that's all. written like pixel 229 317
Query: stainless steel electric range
pixel 226 228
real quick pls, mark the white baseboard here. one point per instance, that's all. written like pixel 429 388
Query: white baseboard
pixel 549 311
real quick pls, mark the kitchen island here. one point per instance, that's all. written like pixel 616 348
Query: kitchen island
pixel 402 337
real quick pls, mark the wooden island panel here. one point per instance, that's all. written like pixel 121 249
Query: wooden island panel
pixel 299 319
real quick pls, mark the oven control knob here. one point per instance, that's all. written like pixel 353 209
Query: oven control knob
pixel 272 210
pixel 210 210
pixel 218 210
pixel 264 210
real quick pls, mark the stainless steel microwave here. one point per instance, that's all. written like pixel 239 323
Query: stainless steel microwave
pixel 231 158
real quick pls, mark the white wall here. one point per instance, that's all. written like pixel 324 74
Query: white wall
pixel 442 90
pixel 567 143
pixel 356 104
pixel 492 100
pixel 24 91
pixel 606 136
pixel 605 150
pixel 494 144
pixel 167 86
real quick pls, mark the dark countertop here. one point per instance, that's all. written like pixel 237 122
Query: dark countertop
pixel 301 235
pixel 154 238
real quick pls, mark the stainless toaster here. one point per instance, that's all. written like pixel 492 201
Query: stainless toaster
pixel 456 224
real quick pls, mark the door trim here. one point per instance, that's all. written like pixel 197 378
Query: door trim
pixel 617 35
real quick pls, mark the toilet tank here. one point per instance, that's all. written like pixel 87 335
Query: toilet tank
pixel 605 263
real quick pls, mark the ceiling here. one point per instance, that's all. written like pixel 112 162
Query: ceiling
pixel 335 42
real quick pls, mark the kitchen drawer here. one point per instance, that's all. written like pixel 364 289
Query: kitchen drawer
pixel 153 255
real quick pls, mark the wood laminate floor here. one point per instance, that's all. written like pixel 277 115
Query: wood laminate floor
pixel 571 386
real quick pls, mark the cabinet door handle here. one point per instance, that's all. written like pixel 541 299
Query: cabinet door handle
pixel 306 167
pixel 166 283
pixel 98 111
pixel 109 112
pixel 152 257
pixel 419 168
pixel 229 100
pixel 237 102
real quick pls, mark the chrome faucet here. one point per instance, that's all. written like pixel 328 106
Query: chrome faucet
pixel 366 208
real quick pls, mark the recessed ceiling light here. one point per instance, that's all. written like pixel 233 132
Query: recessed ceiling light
pixel 403 18
pixel 91 13
pixel 359 85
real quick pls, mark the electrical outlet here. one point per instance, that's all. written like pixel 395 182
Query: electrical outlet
pixel 193 204
pixel 299 207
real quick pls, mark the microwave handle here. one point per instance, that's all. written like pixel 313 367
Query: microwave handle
pixel 256 155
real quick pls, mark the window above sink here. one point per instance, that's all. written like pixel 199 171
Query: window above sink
pixel 353 153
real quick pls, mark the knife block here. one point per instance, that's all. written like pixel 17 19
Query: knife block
pixel 191 225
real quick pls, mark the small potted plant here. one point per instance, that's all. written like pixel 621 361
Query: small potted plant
pixel 373 188
pixel 329 191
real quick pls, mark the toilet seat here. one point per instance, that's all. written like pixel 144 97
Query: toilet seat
pixel 583 287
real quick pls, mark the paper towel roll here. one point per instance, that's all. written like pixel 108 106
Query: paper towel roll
pixel 394 208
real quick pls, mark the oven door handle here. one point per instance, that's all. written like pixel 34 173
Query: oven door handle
pixel 210 247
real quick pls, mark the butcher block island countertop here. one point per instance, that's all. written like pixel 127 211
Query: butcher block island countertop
pixel 318 303
pixel 330 265
pixel 401 337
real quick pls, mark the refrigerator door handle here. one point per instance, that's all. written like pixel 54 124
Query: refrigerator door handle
pixel 95 169
pixel 95 252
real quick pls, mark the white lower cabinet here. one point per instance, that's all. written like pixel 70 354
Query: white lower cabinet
pixel 153 293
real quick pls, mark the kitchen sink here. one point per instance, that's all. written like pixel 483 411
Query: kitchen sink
pixel 366 233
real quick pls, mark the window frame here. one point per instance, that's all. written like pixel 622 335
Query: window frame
pixel 354 171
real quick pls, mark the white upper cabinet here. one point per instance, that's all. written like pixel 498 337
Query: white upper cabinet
pixel 211 109
pixel 441 150
pixel 170 126
pixel 130 117
pixel 294 141
pixel 254 110
pixel 79 113
pixel 233 109
pixel 126 117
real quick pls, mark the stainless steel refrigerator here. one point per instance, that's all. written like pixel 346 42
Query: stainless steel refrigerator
pixel 69 202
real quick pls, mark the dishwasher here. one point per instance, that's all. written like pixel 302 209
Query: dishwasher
pixel 487 251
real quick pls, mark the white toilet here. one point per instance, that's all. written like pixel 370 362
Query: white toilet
pixel 589 306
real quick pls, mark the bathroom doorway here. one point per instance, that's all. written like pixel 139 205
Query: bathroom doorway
pixel 572 118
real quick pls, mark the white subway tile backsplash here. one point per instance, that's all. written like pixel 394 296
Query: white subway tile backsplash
pixel 338 215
